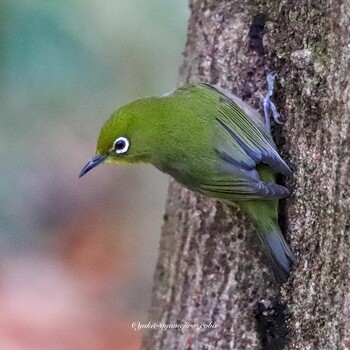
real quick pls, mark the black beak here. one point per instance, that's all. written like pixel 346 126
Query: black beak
pixel 96 160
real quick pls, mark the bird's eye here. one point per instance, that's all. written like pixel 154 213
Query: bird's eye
pixel 121 145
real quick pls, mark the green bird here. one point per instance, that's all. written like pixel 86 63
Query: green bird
pixel 212 143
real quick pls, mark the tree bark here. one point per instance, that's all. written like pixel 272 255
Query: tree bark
pixel 210 267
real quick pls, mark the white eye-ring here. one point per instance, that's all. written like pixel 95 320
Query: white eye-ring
pixel 121 145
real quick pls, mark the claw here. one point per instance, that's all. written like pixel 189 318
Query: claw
pixel 275 114
pixel 270 81
pixel 266 105
pixel 269 106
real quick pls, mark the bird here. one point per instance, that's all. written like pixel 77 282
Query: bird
pixel 213 143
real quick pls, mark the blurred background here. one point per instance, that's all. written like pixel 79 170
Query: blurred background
pixel 77 256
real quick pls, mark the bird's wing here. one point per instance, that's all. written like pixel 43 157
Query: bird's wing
pixel 246 152
pixel 243 187
pixel 252 137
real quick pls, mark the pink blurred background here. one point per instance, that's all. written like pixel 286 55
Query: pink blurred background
pixel 77 256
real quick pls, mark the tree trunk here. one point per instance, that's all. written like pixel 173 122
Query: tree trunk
pixel 210 268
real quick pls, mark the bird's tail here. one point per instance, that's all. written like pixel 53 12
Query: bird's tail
pixel 278 252
pixel 265 215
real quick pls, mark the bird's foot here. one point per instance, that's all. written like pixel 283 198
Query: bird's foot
pixel 269 106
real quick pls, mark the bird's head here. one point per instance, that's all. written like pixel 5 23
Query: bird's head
pixel 126 137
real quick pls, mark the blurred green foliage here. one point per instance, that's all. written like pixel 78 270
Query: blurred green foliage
pixel 64 67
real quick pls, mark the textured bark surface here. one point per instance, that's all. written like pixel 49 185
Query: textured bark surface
pixel 210 266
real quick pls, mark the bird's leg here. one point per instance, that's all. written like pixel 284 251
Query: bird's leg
pixel 269 106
